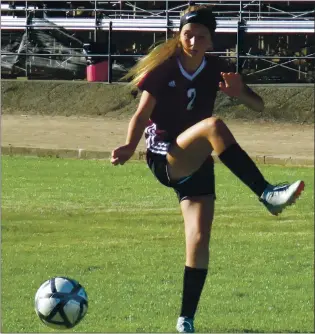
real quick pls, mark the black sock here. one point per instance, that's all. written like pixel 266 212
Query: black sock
pixel 194 280
pixel 238 161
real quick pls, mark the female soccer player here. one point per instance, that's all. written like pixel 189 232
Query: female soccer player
pixel 179 84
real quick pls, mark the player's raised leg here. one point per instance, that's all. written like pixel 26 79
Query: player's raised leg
pixel 193 146
pixel 198 216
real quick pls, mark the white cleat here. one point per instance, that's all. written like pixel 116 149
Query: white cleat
pixel 185 325
pixel 276 198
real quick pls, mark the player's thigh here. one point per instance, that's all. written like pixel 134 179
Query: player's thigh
pixel 190 150
pixel 198 213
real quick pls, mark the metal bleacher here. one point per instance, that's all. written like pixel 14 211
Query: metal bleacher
pixel 257 20
pixel 252 17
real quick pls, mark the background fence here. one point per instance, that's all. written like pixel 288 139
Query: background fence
pixel 266 41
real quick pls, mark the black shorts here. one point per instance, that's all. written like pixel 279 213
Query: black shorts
pixel 198 184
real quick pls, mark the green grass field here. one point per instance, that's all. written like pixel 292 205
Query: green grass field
pixel 120 234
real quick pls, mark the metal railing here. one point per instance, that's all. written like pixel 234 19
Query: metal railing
pixel 272 61
pixel 250 16
pixel 157 25
pixel 240 7
pixel 237 10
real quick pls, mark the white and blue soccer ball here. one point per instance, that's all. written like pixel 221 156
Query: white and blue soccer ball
pixel 61 302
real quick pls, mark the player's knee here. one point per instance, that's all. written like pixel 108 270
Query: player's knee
pixel 198 238
pixel 214 124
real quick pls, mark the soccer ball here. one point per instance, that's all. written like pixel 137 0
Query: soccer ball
pixel 61 303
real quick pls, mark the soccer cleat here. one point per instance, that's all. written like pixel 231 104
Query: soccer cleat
pixel 276 198
pixel 185 325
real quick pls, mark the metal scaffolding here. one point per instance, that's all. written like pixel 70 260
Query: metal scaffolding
pixel 241 18
pixel 257 16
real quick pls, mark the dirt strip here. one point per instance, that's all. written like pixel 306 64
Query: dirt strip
pixel 264 139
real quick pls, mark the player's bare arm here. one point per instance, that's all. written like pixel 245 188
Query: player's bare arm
pixel 136 128
pixel 234 87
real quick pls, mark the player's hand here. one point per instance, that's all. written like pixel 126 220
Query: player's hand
pixel 121 154
pixel 233 85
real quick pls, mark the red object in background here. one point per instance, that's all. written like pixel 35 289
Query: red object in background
pixel 97 72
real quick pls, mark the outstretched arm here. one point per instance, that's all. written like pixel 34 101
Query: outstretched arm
pixel 233 86
pixel 136 128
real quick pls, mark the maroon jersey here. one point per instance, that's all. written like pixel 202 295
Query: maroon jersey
pixel 182 99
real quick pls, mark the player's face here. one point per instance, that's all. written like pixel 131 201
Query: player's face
pixel 195 39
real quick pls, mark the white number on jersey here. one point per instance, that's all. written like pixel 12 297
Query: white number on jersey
pixel 191 93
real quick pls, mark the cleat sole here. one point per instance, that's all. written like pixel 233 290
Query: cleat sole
pixel 291 201
pixel 297 194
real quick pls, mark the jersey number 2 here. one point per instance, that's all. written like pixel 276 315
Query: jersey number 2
pixel 191 93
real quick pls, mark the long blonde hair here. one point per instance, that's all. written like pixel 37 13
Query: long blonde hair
pixel 158 55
